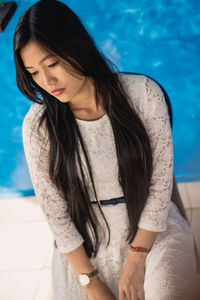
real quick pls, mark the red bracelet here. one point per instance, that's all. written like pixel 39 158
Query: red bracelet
pixel 139 249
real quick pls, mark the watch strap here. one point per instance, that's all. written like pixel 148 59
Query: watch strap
pixel 93 273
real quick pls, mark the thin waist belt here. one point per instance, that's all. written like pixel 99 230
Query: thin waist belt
pixel 112 201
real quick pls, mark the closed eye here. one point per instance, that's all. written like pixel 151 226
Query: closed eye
pixel 50 66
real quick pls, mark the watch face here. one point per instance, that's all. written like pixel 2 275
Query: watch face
pixel 84 279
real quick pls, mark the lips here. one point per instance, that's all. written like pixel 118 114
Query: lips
pixel 57 92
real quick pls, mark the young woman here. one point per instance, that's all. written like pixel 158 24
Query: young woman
pixel 99 150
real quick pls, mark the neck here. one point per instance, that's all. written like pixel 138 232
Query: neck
pixel 85 103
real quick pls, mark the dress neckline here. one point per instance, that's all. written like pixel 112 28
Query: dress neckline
pixel 92 121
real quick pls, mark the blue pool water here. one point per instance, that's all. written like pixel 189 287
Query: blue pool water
pixel 157 38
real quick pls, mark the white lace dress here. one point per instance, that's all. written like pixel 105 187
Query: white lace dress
pixel 171 261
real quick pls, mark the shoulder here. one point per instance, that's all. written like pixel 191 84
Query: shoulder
pixel 144 91
pixel 139 85
pixel 133 80
pixel 31 121
pixel 135 86
pixel 33 114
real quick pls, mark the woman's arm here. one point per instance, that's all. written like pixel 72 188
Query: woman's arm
pixel 132 278
pixel 80 262
pixel 49 197
pixel 157 124
pixel 144 238
pixel 153 218
pixel 54 206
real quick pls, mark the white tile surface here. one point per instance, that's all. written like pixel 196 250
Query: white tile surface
pixel 19 210
pixel 48 260
pixel 184 195
pixel 44 288
pixel 19 285
pixel 193 189
pixel 27 245
pixel 24 245
pixel 40 211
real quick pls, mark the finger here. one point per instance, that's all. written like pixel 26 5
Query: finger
pixel 141 293
pixel 133 294
pixel 121 295
pixel 128 295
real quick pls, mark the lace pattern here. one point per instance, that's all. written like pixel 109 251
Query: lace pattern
pixel 48 196
pixel 149 102
pixel 155 115
pixel 166 273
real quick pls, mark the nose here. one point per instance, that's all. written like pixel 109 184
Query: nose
pixel 49 79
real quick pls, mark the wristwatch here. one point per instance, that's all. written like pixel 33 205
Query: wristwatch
pixel 85 278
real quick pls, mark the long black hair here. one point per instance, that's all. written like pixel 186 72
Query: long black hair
pixel 60 32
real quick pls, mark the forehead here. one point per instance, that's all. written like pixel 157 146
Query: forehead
pixel 32 53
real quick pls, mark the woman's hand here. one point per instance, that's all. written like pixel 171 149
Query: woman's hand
pixel 132 278
pixel 97 290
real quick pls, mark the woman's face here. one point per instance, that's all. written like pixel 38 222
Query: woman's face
pixel 49 74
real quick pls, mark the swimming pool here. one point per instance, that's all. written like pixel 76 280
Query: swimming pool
pixel 160 39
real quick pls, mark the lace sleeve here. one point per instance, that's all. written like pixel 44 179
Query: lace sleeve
pixel 155 114
pixel 49 198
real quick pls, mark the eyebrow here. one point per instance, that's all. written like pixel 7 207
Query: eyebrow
pixel 43 59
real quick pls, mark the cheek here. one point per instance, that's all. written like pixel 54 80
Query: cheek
pixel 73 82
pixel 69 75
pixel 39 81
pixel 36 80
pixel 70 79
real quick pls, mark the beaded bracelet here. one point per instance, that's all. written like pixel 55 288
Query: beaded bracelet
pixel 139 249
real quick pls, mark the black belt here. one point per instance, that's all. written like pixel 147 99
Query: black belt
pixel 112 201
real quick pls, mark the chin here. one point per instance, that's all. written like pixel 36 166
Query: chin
pixel 63 101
